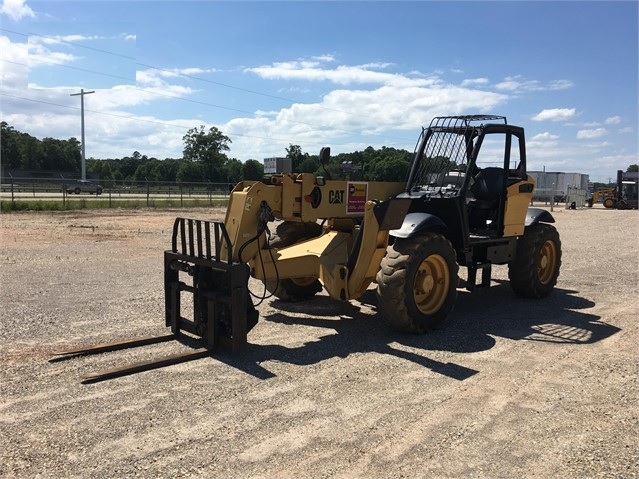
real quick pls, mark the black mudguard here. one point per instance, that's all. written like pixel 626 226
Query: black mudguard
pixel 416 223
pixel 538 215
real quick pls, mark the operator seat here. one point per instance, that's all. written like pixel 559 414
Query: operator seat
pixel 487 188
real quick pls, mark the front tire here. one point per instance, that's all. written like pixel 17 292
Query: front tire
pixel 417 283
pixel 534 271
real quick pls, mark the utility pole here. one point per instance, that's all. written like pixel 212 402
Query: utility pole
pixel 82 93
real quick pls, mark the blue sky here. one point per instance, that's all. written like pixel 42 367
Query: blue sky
pixel 315 73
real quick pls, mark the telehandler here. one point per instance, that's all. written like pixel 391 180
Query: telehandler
pixel 465 203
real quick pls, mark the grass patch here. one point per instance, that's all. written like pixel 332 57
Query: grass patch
pixel 8 206
pixel 36 205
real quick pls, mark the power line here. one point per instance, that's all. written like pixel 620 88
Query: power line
pixel 152 92
pixel 140 119
pixel 173 72
pixel 193 77
pixel 189 100
pixel 67 42
pixel 71 68
pixel 184 75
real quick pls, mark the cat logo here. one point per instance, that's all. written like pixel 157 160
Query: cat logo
pixel 336 197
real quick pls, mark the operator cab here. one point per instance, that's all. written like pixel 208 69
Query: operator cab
pixel 463 174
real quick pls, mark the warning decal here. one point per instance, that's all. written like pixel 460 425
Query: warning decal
pixel 356 195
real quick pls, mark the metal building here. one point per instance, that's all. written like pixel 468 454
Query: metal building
pixel 556 185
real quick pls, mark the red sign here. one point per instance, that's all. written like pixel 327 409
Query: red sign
pixel 356 195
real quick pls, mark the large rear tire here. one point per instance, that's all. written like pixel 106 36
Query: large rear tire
pixel 609 203
pixel 417 283
pixel 534 272
pixel 294 289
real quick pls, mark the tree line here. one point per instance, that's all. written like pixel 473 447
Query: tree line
pixel 204 159
pixel 21 151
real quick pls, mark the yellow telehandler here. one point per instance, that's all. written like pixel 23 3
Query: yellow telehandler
pixel 460 206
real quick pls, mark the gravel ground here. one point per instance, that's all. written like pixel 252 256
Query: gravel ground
pixel 508 388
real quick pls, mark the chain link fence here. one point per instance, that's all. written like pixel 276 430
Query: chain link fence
pixel 145 193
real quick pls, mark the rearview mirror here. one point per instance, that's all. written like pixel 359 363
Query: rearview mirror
pixel 325 155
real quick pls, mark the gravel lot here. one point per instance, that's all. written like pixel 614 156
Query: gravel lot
pixel 508 388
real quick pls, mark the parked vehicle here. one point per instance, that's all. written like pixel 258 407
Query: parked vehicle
pixel 83 186
pixel 624 196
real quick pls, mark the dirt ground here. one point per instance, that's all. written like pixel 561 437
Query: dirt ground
pixel 507 388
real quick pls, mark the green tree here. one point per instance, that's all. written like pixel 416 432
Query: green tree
pixel 127 166
pixel 104 169
pixel 633 168
pixel 386 164
pixel 309 164
pixel 189 171
pixel 233 168
pixel 252 170
pixel 9 150
pixel 350 165
pixel 52 154
pixel 31 152
pixel 207 148
pixel 166 170
pixel 294 152
pixel 147 171
pixel 72 155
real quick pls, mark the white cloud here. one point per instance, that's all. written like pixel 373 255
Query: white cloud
pixel 590 134
pixel 555 114
pixel 560 85
pixel 16 57
pixel 545 136
pixel 352 119
pixel 518 83
pixel 40 55
pixel 469 82
pixel 171 72
pixel 625 130
pixel 58 39
pixel 314 70
pixel 16 9
pixel 613 120
pixel 324 58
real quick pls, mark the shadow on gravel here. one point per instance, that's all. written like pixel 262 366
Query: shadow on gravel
pixel 478 318
pixel 558 318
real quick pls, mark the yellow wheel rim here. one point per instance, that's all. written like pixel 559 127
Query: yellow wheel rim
pixel 431 283
pixel 547 262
